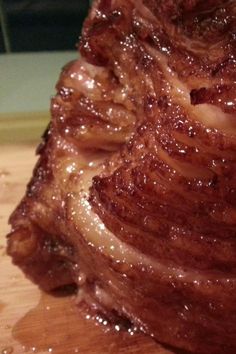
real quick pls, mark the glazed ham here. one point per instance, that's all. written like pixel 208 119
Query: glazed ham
pixel 133 197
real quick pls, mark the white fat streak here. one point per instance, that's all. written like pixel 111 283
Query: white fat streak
pixel 207 114
pixel 81 76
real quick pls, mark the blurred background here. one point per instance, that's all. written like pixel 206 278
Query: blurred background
pixel 37 38
pixel 40 25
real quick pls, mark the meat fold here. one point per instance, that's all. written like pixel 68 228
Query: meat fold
pixel 133 198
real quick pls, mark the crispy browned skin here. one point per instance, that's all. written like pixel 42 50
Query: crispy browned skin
pixel 149 113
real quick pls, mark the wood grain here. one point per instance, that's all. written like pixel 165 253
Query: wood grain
pixel 32 321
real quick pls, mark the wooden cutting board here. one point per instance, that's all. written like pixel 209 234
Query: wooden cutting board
pixel 32 321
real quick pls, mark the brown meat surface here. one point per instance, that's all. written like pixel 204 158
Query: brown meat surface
pixel 133 197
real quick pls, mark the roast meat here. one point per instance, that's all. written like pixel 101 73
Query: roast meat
pixel 133 197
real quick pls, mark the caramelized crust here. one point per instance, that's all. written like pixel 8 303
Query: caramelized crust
pixel 135 188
